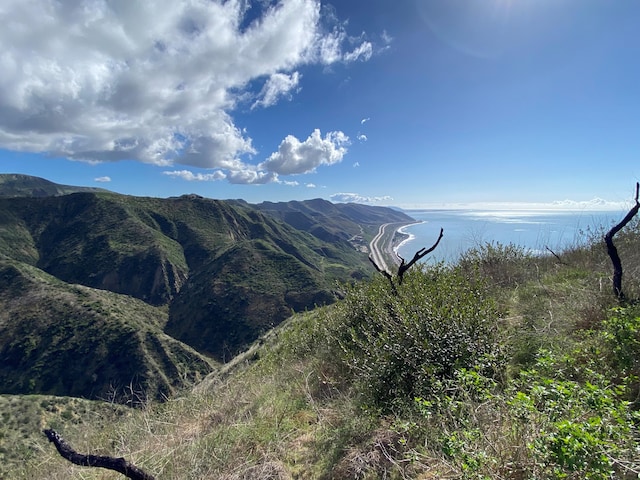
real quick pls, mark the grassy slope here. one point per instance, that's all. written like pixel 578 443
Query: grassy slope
pixel 288 410
pixel 67 339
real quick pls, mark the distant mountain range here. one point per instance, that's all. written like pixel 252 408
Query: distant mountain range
pixel 105 295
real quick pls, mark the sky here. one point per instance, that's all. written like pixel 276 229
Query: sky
pixel 411 103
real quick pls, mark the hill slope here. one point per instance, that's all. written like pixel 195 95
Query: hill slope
pixel 549 388
pixel 219 273
pixel 17 185
pixel 64 339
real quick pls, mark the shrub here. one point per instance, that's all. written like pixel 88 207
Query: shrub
pixel 622 336
pixel 400 346
pixel 586 428
pixel 503 265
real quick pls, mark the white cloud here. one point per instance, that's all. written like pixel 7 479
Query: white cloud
pixel 356 164
pixel 104 179
pixel 356 198
pixel 155 81
pixel 246 176
pixel 363 52
pixel 362 137
pixel 526 208
pixel 196 177
pixel 593 204
pixel 296 157
pixel 251 177
pixel 277 86
pixel 310 185
pixel 364 120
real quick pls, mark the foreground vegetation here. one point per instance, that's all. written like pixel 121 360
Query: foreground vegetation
pixel 505 365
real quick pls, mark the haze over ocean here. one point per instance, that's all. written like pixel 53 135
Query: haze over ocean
pixel 534 230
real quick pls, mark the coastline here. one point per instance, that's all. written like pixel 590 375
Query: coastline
pixel 407 237
pixel 383 247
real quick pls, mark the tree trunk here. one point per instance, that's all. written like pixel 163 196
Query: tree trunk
pixel 613 251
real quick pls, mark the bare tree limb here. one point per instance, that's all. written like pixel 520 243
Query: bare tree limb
pixel 111 463
pixel 406 266
pixel 383 272
pixel 613 251
pixel 418 255
pixel 556 255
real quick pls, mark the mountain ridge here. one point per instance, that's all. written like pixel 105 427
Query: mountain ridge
pixel 219 273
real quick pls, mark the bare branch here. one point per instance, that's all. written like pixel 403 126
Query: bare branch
pixel 383 272
pixel 556 255
pixel 418 255
pixel 613 251
pixel 405 266
pixel 111 463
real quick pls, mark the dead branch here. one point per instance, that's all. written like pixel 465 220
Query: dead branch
pixel 111 463
pixel 406 266
pixel 418 255
pixel 384 272
pixel 613 251
pixel 560 261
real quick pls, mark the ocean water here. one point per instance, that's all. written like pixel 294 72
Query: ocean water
pixel 533 230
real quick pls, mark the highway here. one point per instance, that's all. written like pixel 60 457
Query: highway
pixel 382 243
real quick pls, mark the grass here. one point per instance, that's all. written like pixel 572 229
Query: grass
pixel 549 389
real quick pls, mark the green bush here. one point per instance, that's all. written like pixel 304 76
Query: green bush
pixel 400 346
pixel 622 336
pixel 586 428
pixel 503 265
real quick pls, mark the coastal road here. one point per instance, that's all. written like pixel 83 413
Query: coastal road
pixel 382 245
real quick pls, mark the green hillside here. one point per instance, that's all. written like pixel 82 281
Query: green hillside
pixel 505 365
pixel 63 339
pixel 18 185
pixel 208 273
pixel 334 222
pixel 161 250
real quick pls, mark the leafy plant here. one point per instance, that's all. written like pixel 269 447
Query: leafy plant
pixel 400 346
pixel 586 428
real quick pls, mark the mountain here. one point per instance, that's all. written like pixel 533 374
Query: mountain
pixel 334 222
pixel 63 339
pixel 17 185
pixel 213 274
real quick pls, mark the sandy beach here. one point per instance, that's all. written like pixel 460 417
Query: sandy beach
pixel 383 247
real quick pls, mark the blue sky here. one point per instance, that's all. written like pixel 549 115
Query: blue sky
pixel 412 103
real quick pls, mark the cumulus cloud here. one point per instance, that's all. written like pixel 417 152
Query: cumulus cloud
pixel 362 137
pixel 104 179
pixel 251 177
pixel 246 176
pixel 356 198
pixel 310 185
pixel 157 81
pixel 295 157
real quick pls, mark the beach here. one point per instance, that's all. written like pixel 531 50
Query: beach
pixel 383 247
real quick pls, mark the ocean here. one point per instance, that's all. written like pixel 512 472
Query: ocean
pixel 534 230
